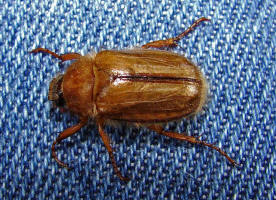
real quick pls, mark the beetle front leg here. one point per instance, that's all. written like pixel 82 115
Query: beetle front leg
pixel 62 57
pixel 106 141
pixel 65 134
pixel 194 140
pixel 172 42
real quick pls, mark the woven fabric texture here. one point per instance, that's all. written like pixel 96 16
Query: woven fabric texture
pixel 235 51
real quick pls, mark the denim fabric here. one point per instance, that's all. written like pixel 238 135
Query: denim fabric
pixel 236 52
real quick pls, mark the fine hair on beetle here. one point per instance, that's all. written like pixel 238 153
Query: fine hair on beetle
pixel 146 86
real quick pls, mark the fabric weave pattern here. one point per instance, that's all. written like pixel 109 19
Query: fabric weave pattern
pixel 236 52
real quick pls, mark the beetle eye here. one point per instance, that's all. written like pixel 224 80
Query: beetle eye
pixel 60 101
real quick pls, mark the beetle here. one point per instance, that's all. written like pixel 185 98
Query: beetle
pixel 147 86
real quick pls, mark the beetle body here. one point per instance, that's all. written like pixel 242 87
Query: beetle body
pixel 138 85
pixel 142 86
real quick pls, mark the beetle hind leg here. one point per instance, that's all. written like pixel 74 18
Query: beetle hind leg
pixel 106 141
pixel 62 57
pixel 191 139
pixel 63 135
pixel 172 42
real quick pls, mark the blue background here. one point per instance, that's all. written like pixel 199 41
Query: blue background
pixel 236 52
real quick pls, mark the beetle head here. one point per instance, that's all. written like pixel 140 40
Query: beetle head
pixel 56 91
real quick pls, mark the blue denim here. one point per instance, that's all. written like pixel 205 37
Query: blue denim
pixel 236 52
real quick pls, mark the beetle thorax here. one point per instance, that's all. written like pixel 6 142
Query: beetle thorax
pixel 77 86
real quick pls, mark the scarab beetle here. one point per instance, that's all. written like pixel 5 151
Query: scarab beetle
pixel 143 86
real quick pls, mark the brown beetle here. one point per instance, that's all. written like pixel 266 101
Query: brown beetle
pixel 141 86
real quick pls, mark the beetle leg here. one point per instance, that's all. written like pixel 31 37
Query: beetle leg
pixel 194 140
pixel 62 57
pixel 65 134
pixel 106 141
pixel 172 42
